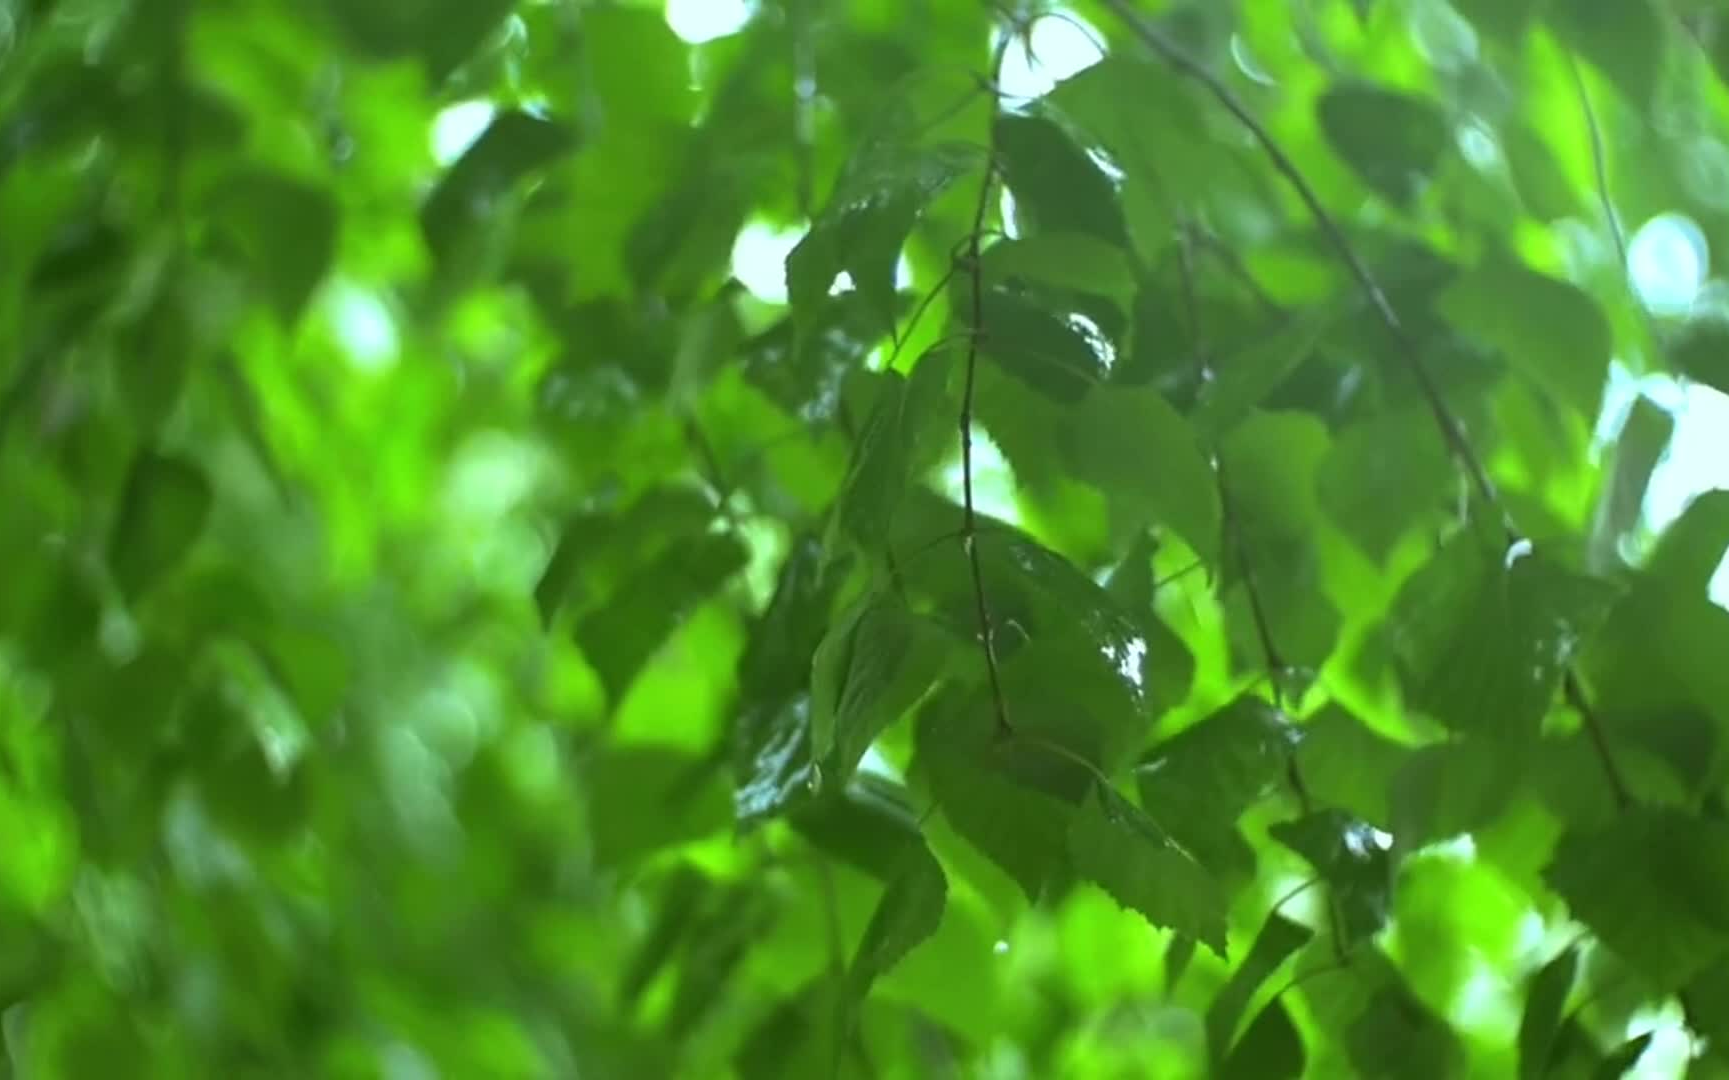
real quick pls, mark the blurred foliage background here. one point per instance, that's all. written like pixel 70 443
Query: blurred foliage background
pixel 491 584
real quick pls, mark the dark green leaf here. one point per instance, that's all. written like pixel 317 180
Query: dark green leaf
pixel 1643 439
pixel 1278 939
pixel 1397 1038
pixel 1393 141
pixel 876 663
pixel 1545 1005
pixel 1345 764
pixel 1548 329
pixel 1623 38
pixel 1701 352
pixel 1352 860
pixel 775 769
pixel 1199 782
pixel 1653 885
pixel 875 204
pixel 1270 1050
pixel 620 637
pixel 1136 448
pixel 1537 176
pixel 869 825
pixel 1071 261
pixel 1057 188
pixel 1507 19
pixel 1694 546
pixel 1040 347
pixel 1386 477
pixel 466 200
pixel 285 229
pixel 889 447
pixel 162 512
pixel 910 911
pixel 1623 1058
pixel 1117 846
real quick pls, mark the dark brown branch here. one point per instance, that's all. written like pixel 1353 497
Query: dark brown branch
pixel 972 264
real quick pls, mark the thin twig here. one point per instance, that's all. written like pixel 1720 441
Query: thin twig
pixel 1452 430
pixel 1599 161
pixel 969 515
pixel 1593 724
pixel 918 314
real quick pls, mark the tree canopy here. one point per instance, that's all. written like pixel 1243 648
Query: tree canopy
pixel 864 538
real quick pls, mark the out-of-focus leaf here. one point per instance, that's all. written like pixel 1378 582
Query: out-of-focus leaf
pixel 1622 38
pixel 1270 1049
pixel 1545 1003
pixel 1537 176
pixel 1345 764
pixel 1350 859
pixel 441 32
pixel 1196 784
pixel 162 513
pixel 1385 477
pixel 775 769
pixel 639 67
pixel 1693 547
pixel 875 664
pixel 650 799
pixel 1701 352
pixel 286 230
pixel 596 548
pixel 1548 329
pixel 1393 141
pixel 1117 846
pixel 1278 939
pixel 1396 1036
pixel 1639 447
pixel 1057 188
pixel 876 202
pixel 1507 19
pixel 910 910
pixel 1135 447
pixel 1653 885
pixel 466 200
pixel 1444 789
pixel 1040 347
pixel 1244 378
pixel 621 636
pixel 1623 1058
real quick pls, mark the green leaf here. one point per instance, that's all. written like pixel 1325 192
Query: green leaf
pixel 1653 885
pixel 774 768
pixel 1481 647
pixel 1132 586
pixel 1445 789
pixel 162 512
pixel 1074 261
pixel 1537 176
pixel 1548 329
pixel 875 664
pixel 1545 1006
pixel 1385 477
pixel 1057 188
pixel 1136 448
pixel 1623 1058
pixel 1278 939
pixel 1393 141
pixel 894 439
pixel 1121 849
pixel 465 202
pixel 1507 19
pixel 1345 764
pixel 650 799
pixel 1622 38
pixel 1701 352
pixel 285 229
pixel 1352 861
pixel 1197 783
pixel 1246 377
pixel 875 204
pixel 1638 448
pixel 909 912
pixel 1040 347
pixel 1398 1037
pixel 441 32
pixel 868 824
pixel 639 68
pixel 1692 549
pixel 620 637
pixel 1270 1049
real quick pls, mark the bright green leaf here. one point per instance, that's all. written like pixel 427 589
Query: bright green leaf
pixel 1117 846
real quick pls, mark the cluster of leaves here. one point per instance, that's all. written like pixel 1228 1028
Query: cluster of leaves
pixel 451 626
